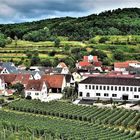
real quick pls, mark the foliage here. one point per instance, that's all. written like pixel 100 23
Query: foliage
pixel 69 93
pixel 57 42
pixel 32 127
pixel 116 22
pixel 119 55
pixel 2 40
pixel 40 35
pixel 106 116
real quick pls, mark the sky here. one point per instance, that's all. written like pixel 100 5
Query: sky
pixel 15 11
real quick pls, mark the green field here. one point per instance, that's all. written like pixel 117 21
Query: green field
pixel 106 116
pixel 62 120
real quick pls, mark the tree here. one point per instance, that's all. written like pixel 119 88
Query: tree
pixel 2 40
pixel 57 42
pixel 103 39
pixel 119 55
pixel 19 89
pixel 69 93
pixel 16 39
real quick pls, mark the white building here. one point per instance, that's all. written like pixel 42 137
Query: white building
pixel 36 89
pixel 110 87
pixel 122 66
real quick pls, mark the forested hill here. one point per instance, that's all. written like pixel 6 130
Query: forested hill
pixel 117 22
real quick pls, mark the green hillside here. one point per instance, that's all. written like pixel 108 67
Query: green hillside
pixel 116 22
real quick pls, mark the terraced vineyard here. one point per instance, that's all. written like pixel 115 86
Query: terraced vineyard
pixel 108 116
pixel 57 128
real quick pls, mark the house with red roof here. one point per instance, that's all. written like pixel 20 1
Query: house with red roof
pixel 122 66
pixel 88 62
pixel 90 58
pixel 22 78
pixel 8 78
pixel 55 82
pixel 36 89
pixel 61 68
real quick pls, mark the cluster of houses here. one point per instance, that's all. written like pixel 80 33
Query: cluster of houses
pixel 121 82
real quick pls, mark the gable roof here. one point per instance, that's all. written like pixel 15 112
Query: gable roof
pixel 54 81
pixel 84 63
pixel 61 65
pixel 97 64
pixel 10 67
pixel 57 70
pixel 112 81
pixel 21 78
pixel 34 85
pixel 93 58
pixel 124 64
pixel 8 78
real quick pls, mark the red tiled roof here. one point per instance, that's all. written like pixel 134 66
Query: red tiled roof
pixel 84 63
pixel 35 85
pixel 8 78
pixel 21 78
pixel 98 64
pixel 54 81
pixel 124 64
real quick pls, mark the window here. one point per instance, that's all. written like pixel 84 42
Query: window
pixel 119 88
pixel 106 94
pixel 80 94
pixel 29 93
pixel 88 95
pixel 135 89
pixel 123 88
pixel 100 87
pixel 136 96
pixel 85 86
pixel 96 87
pixel 111 87
pixel 139 89
pixel 89 86
pixel 131 88
pixel 127 88
pixel 114 95
pixel 107 87
pixel 115 88
pixel 98 94
pixel 93 87
pixel 36 93
pixel 104 87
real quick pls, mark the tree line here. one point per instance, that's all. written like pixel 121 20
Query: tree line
pixel 116 22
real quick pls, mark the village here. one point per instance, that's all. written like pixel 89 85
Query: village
pixel 91 81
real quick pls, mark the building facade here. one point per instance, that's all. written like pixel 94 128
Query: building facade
pixel 110 87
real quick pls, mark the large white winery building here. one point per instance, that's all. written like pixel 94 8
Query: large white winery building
pixel 110 87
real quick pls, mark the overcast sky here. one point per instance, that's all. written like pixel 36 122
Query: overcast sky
pixel 12 11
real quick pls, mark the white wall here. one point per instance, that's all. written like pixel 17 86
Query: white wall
pixel 41 94
pixel 119 69
pixel 110 92
pixel 37 76
pixel 2 85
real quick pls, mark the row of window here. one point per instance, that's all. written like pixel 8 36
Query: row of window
pixel 29 93
pixel 113 88
pixel 105 95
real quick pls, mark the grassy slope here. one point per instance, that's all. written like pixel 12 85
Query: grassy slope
pixel 16 53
